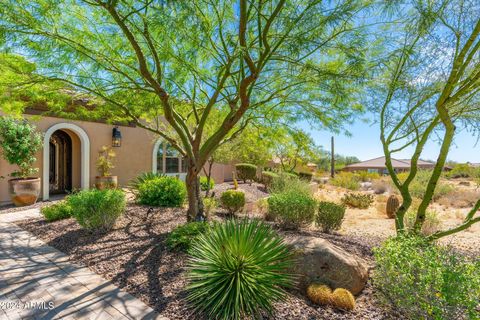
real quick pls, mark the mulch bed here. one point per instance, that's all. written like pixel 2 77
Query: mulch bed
pixel 134 257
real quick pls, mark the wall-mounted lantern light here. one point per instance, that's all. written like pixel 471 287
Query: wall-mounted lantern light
pixel 116 137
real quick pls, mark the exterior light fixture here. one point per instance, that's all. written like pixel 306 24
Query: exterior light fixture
pixel 116 137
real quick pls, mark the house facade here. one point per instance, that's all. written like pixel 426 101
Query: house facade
pixel 378 165
pixel 67 159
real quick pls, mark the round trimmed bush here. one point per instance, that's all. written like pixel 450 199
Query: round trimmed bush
pixel 233 200
pixel 162 191
pixel 57 211
pixel 268 177
pixel 330 216
pixel 246 171
pixel 292 209
pixel 238 270
pixel 97 209
pixel 205 185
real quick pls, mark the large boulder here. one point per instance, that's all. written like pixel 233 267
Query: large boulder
pixel 318 260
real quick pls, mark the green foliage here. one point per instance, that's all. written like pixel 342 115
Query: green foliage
pixel 292 209
pixel 205 184
pixel 209 205
pixel 233 201
pixel 419 185
pixel 246 171
pixel 97 209
pixel 182 237
pixel 143 177
pixel 463 170
pixel 58 211
pixel 365 176
pixel 347 180
pixel 268 177
pixel 20 142
pixel 162 191
pixel 358 200
pixel 330 216
pixel 286 182
pixel 307 176
pixel 431 225
pixel 238 270
pixel 105 161
pixel 424 281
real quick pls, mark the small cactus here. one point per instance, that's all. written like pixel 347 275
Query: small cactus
pixel 392 206
pixel 319 293
pixel 343 299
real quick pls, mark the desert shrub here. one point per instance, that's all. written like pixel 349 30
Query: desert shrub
pixel 205 184
pixel 292 209
pixel 162 191
pixel 380 186
pixel 182 237
pixel 238 270
pixel 246 171
pixel 268 177
pixel 262 207
pixel 419 185
pixel 57 211
pixel 233 201
pixel 460 199
pixel 461 170
pixel 346 180
pixel 330 216
pixel 358 200
pixel 97 209
pixel 432 222
pixel 209 205
pixel 307 176
pixel 424 281
pixel 365 176
pixel 141 178
pixel 287 183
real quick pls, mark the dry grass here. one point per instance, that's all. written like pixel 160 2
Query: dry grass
pixel 460 199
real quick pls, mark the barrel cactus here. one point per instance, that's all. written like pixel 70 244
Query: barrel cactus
pixel 392 206
pixel 343 299
pixel 319 293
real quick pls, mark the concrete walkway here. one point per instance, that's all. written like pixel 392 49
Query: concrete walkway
pixel 38 282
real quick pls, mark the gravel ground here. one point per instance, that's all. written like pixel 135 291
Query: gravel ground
pixel 253 191
pixel 134 257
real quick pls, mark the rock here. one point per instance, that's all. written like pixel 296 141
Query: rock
pixel 321 261
pixel 366 185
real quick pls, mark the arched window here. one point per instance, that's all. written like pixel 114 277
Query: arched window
pixel 167 159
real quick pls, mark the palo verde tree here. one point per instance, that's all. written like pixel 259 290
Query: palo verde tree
pixel 428 89
pixel 169 65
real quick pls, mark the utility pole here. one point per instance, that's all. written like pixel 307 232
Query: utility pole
pixel 332 163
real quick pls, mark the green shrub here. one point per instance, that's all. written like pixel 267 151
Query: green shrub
pixel 306 176
pixel 205 185
pixel 162 191
pixel 423 281
pixel 330 216
pixel 182 237
pixel 288 183
pixel 461 170
pixel 141 178
pixel 209 205
pixel 57 211
pixel 246 171
pixel 292 209
pixel 346 180
pixel 419 185
pixel 233 201
pixel 238 270
pixel 365 176
pixel 358 200
pixel 97 209
pixel 431 224
pixel 268 177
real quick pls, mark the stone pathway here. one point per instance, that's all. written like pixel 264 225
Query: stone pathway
pixel 39 282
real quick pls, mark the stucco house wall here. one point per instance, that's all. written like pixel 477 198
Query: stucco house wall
pixel 132 157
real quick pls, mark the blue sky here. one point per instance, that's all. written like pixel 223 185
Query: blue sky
pixel 365 144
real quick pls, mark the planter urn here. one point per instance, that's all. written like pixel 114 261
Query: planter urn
pixel 108 182
pixel 24 191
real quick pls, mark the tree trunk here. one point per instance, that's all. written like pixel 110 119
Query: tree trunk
pixel 195 202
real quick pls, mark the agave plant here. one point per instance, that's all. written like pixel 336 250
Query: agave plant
pixel 238 270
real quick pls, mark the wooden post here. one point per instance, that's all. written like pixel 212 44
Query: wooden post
pixel 332 168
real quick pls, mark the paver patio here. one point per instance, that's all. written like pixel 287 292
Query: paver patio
pixel 34 277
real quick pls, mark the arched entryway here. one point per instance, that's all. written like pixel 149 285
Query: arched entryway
pixel 66 157
pixel 60 173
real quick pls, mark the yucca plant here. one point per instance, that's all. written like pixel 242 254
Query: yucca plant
pixel 238 270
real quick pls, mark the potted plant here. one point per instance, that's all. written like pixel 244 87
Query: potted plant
pixel 20 142
pixel 105 180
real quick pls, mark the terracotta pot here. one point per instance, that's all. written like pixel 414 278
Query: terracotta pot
pixel 24 191
pixel 110 182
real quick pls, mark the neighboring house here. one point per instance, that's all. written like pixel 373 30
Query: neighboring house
pixel 378 165
pixel 68 158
